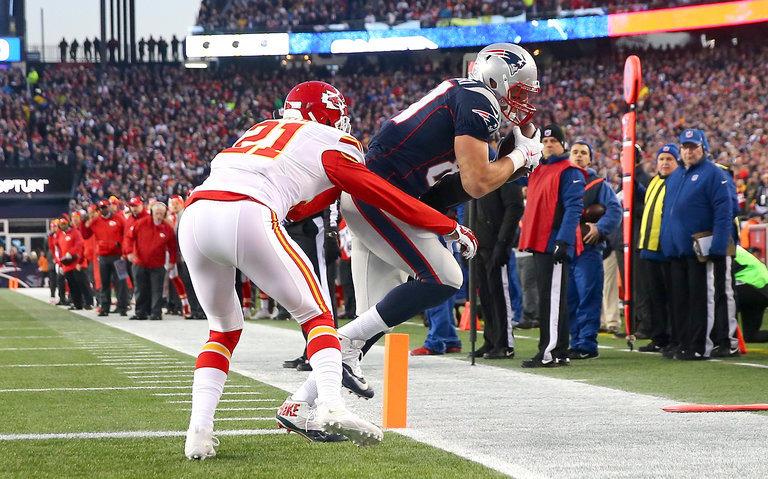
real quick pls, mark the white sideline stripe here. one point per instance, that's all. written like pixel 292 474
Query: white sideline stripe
pixel 115 388
pixel 244 419
pixel 131 434
pixel 229 400
pixel 174 375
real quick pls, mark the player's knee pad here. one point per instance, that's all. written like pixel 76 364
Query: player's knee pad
pixel 321 334
pixel 217 352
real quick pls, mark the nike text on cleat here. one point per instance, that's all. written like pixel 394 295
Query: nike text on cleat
pixel 351 374
pixel 335 418
pixel 300 417
pixel 200 443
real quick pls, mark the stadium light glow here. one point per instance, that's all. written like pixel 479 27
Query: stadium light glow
pixel 196 65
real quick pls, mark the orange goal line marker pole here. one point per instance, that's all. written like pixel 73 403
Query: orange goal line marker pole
pixel 395 410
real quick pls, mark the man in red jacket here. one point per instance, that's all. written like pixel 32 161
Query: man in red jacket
pixel 109 228
pixel 147 243
pixel 70 243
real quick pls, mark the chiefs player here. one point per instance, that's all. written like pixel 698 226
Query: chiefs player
pixel 290 167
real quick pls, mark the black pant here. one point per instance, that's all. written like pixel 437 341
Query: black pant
pixel 109 277
pixel 658 289
pixel 61 283
pixel 149 291
pixel 74 288
pixel 697 291
pixel 52 280
pixel 553 324
pixel 497 332
pixel 751 303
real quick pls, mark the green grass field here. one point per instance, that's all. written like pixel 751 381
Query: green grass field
pixel 34 334
pixel 63 374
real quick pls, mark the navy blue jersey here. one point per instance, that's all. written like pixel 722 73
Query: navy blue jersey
pixel 414 148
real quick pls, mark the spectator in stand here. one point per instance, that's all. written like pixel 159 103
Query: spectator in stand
pixel 175 48
pixel 147 243
pixel 87 50
pixel 73 47
pixel 151 44
pixel 761 195
pixel 109 229
pixel 70 244
pixel 162 49
pixel 63 50
pixel 142 47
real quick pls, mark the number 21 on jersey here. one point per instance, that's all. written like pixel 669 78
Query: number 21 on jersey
pixel 267 138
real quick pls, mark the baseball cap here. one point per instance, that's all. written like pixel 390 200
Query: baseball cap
pixel 103 204
pixel 76 213
pixel 670 148
pixel 64 219
pixel 175 198
pixel 693 135
pixel 135 201
pixel 589 147
pixel 555 132
pixel 113 199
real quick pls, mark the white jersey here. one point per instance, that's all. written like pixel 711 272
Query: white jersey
pixel 279 162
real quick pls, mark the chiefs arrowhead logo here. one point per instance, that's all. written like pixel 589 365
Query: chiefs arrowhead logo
pixel 334 101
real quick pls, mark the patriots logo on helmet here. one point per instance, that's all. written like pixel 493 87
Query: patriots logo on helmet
pixel 515 62
pixel 490 120
pixel 333 101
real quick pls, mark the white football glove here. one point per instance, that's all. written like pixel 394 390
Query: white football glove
pixel 465 237
pixel 530 148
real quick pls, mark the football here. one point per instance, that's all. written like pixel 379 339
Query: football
pixel 591 214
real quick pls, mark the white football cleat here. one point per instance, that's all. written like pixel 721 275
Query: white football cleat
pixel 301 418
pixel 351 373
pixel 335 418
pixel 200 443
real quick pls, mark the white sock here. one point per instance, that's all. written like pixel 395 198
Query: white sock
pixel 308 391
pixel 326 366
pixel 364 326
pixel 207 389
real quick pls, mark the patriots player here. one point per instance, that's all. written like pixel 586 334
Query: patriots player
pixel 437 148
pixel 290 167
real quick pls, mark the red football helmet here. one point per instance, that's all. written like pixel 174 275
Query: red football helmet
pixel 318 101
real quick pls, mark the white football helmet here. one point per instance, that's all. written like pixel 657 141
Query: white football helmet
pixel 508 70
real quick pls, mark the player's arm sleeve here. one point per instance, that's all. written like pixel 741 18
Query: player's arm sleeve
pixel 346 172
pixel 572 183
pixel 87 231
pixel 130 233
pixel 315 205
pixel 613 210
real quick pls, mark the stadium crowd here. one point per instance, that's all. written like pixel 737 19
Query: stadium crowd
pixel 150 130
pixel 287 15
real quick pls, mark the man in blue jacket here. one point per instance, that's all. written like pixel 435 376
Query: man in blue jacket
pixel 698 200
pixel 585 287
pixel 555 201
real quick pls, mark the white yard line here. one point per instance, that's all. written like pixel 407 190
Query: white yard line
pixel 132 434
